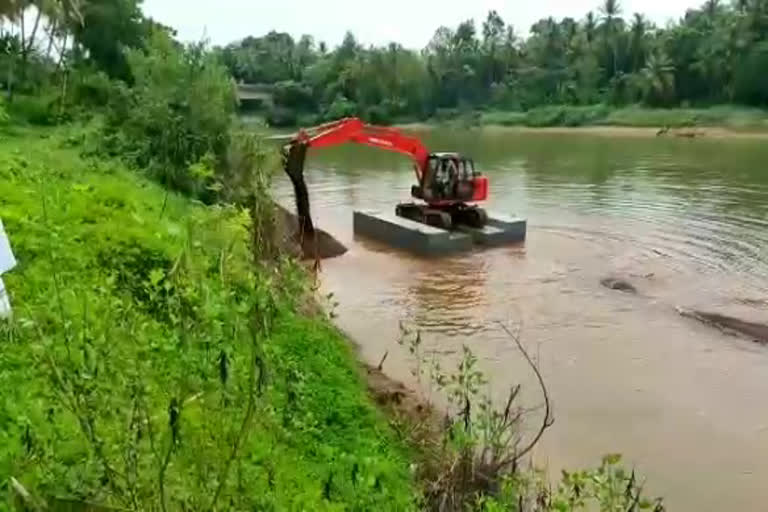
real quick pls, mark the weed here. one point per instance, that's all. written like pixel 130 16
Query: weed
pixel 474 460
pixel 156 360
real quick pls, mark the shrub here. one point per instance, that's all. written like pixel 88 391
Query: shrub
pixel 294 95
pixel 280 117
pixel 91 88
pixel 377 115
pixel 177 114
pixel 36 109
pixel 306 120
pixel 446 114
pixel 341 107
pixel 504 118
pixel 545 116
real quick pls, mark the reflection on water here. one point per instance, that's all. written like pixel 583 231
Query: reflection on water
pixel 448 306
pixel 685 220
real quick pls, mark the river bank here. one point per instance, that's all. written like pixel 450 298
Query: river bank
pixel 133 371
pixel 610 131
pixel 717 122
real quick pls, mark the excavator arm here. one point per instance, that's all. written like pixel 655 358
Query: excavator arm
pixel 346 130
pixel 352 129
pixel 451 182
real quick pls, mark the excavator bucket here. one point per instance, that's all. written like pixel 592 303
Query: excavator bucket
pixel 314 243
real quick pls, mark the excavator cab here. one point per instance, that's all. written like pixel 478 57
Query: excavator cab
pixel 449 178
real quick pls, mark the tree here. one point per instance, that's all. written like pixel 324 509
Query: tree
pixel 611 24
pixel 659 80
pixel 638 41
pixel 108 28
pixel 590 26
pixel 493 40
pixel 705 57
pixel 712 8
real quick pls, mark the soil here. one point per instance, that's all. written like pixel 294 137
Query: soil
pixel 395 397
pixel 321 246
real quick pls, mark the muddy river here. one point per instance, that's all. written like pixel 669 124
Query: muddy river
pixel 685 220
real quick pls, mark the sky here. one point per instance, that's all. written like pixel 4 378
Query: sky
pixel 409 22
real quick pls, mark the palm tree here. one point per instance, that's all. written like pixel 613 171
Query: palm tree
pixel 611 10
pixel 711 8
pixel 590 26
pixel 638 31
pixel 659 79
pixel 639 24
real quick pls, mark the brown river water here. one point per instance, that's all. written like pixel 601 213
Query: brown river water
pixel 685 220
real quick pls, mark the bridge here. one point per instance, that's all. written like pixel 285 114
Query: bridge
pixel 255 95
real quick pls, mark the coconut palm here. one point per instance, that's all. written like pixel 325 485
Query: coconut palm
pixel 638 40
pixel 590 26
pixel 611 10
pixel 659 79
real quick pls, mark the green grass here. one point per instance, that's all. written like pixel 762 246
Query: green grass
pixel 141 332
pixel 727 116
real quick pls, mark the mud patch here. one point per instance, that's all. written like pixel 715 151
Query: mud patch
pixel 395 397
pixel 618 284
pixel 757 332
pixel 320 246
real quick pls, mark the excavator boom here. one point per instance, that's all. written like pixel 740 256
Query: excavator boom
pixel 354 130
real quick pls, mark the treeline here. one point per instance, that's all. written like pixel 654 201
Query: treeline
pixel 717 53
pixel 165 107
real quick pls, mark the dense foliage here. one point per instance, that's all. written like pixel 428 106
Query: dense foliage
pixel 715 54
pixel 175 121
pixel 153 365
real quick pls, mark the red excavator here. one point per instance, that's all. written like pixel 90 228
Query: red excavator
pixel 447 182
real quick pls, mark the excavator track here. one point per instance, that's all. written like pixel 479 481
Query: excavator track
pixel 425 215
pixel 448 218
pixel 471 216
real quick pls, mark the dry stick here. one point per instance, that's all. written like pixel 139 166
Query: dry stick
pixel 73 402
pixel 161 473
pixel 243 426
pixel 548 420
pixel 34 32
pixel 55 276
pixel 129 460
pixel 51 33
pixel 381 363
pixel 638 492
pixel 85 421
pixel 25 496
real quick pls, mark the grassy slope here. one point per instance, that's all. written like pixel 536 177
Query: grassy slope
pixel 725 116
pixel 103 235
